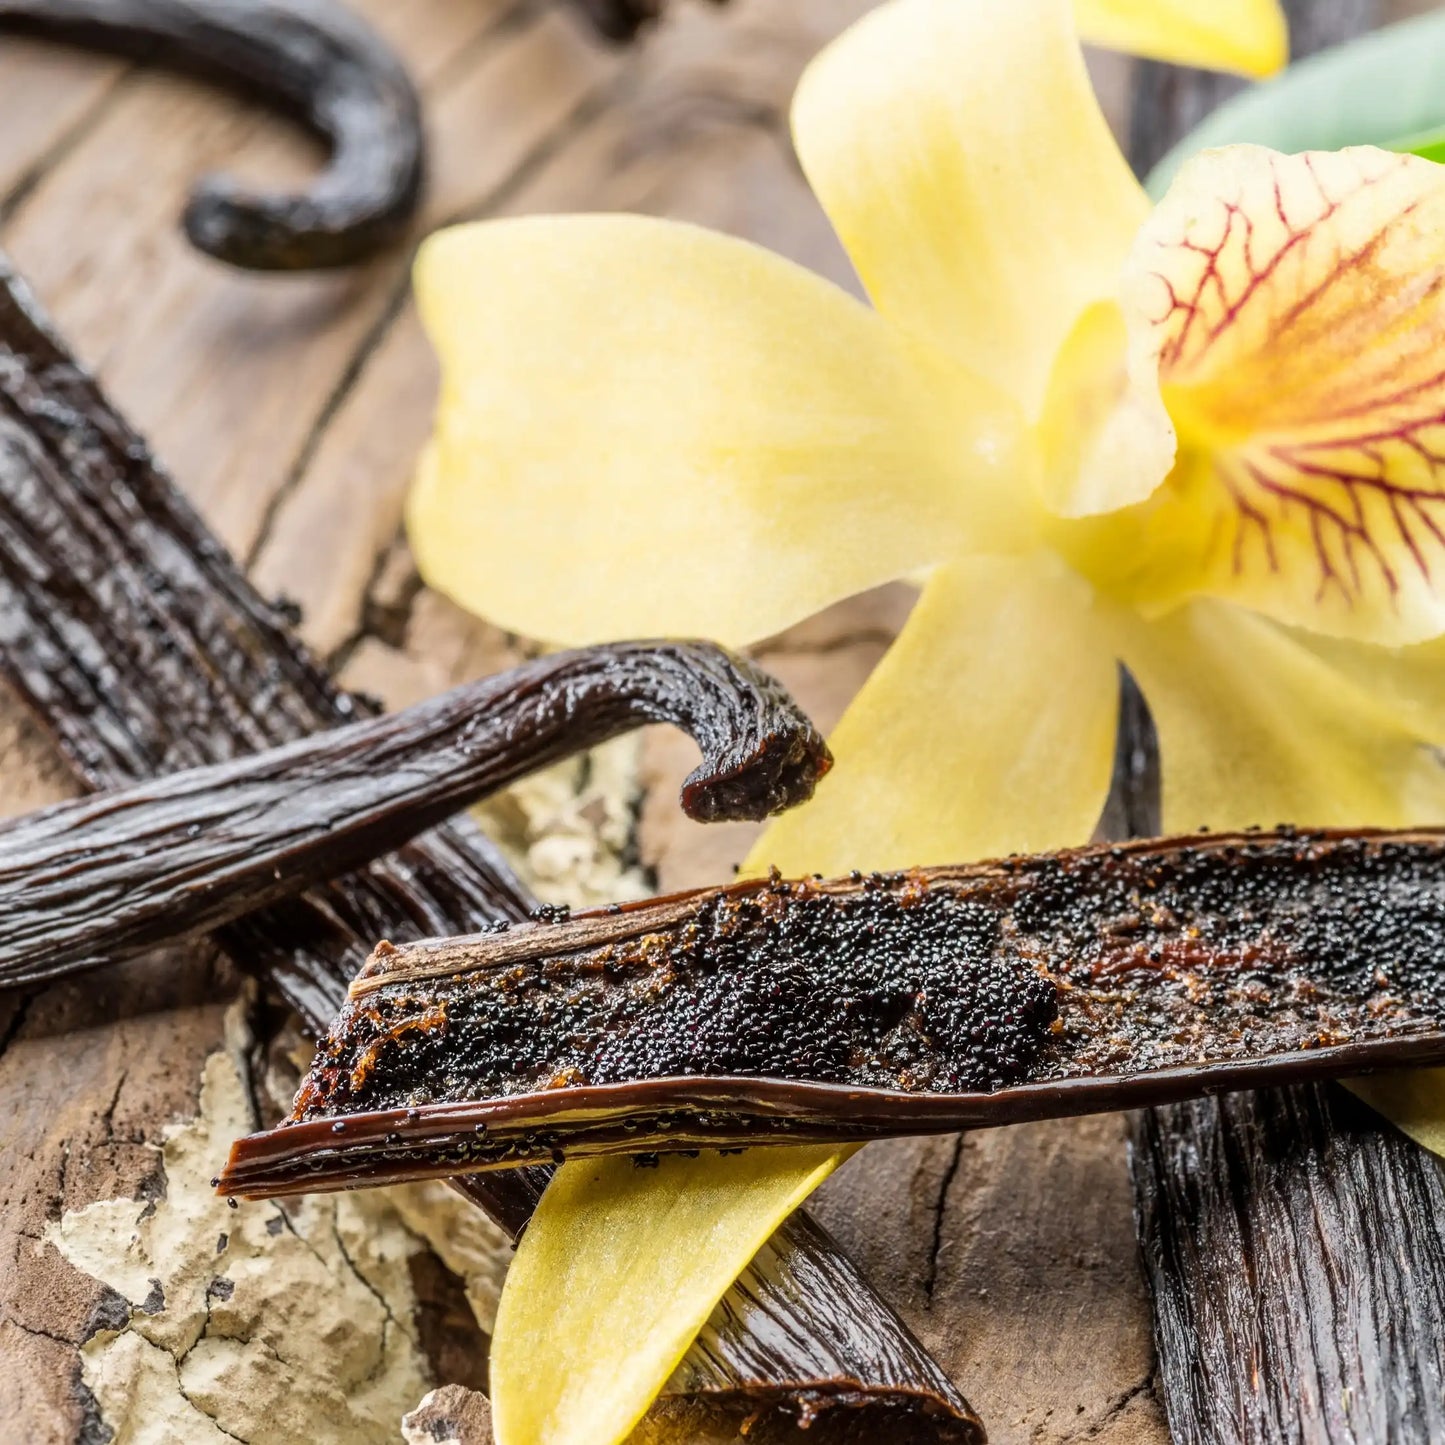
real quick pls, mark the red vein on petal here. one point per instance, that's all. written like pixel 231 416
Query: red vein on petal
pixel 1364 503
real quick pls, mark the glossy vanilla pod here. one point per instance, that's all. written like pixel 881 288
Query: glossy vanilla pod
pixel 917 1002
pixel 87 883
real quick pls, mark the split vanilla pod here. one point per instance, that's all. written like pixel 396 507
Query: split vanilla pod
pixel 926 1001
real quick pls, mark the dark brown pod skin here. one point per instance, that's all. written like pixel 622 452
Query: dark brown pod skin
pixel 313 60
pixel 90 882
pixel 801 1285
pixel 921 1002
pixel 142 648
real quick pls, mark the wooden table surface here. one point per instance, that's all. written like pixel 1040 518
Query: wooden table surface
pixel 291 409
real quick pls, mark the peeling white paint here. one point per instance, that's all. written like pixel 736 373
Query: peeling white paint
pixel 279 1325
pixel 568 830
pixel 293 1324
pixel 462 1237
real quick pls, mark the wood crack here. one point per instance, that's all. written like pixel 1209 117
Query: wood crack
pixel 1115 1408
pixel 940 1209
pixel 40 1333
pixel 385 622
pixel 16 1022
pixel 361 1278
pixel 346 381
pixel 107 1118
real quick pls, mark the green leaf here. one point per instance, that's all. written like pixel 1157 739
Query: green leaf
pixel 1427 143
pixel 1385 89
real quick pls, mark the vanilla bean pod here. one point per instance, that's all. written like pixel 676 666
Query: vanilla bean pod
pixel 314 60
pixel 87 883
pixel 142 648
pixel 1294 1243
pixel 921 1002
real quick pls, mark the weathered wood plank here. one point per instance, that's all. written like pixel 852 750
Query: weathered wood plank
pixel 304 422
pixel 1011 1254
pixel 349 483
pixel 129 1050
pixel 692 128
pixel 100 225
pixel 50 97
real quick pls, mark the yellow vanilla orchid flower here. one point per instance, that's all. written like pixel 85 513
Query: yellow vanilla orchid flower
pixel 1207 441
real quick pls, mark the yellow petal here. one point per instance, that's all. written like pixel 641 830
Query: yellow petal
pixel 1407 681
pixel 617 1272
pixel 1411 1099
pixel 1247 36
pixel 1298 314
pixel 988 728
pixel 1105 436
pixel 959 150
pixel 648 428
pixel 1255 729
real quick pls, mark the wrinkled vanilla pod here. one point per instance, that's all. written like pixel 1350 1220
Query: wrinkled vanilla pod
pixel 920 1002
pixel 314 60
pixel 91 882
pixel 142 649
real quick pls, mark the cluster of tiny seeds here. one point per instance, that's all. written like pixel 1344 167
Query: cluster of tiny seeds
pixel 871 989
pixel 1166 956
pixel 1344 911
pixel 876 988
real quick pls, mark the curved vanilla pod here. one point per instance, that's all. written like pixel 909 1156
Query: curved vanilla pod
pixel 911 1003
pixel 92 881
pixel 314 60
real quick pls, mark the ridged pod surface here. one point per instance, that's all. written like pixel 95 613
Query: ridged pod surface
pixel 915 1002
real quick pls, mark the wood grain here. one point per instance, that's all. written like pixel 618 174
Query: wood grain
pixel 276 352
